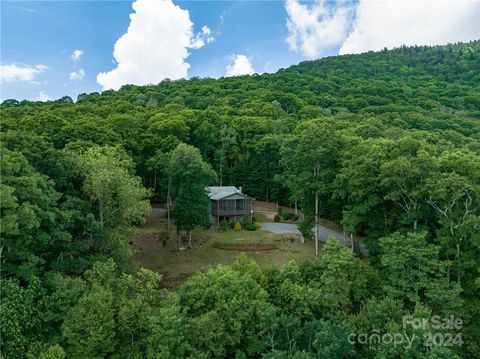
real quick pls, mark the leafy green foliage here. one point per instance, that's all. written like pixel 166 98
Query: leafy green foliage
pixel 232 303
pixel 189 177
pixel 30 216
pixel 237 227
pixel 19 316
pixel 120 196
pixel 412 270
pixel 89 327
pixel 53 352
pixel 387 144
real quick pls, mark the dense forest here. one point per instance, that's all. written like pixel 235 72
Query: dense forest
pixel 386 144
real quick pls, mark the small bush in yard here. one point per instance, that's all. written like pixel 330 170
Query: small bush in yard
pixel 223 225
pixel 276 218
pixel 288 215
pixel 237 226
pixel 250 227
pixel 258 225
pixel 306 227
pixel 244 223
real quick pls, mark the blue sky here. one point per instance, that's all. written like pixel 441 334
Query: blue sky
pixel 48 33
pixel 200 38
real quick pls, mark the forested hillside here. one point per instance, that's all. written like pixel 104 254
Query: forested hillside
pixel 386 144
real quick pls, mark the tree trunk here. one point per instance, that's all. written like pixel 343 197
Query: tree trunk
pixel 296 208
pixel 155 180
pixel 190 239
pixel 168 209
pixel 179 239
pixel 221 170
pixel 100 210
pixel 448 269
pixel 384 220
pixel 457 257
pixel 316 225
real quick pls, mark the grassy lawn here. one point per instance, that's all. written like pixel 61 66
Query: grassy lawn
pixel 258 240
pixel 176 266
pixel 263 217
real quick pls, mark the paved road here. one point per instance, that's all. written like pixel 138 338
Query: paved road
pixel 323 232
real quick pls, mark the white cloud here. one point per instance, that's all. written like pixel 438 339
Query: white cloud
pixel 155 45
pixel 42 96
pixel 315 27
pixel 14 73
pixel 76 55
pixel 392 23
pixel 205 36
pixel 241 66
pixel 373 25
pixel 77 75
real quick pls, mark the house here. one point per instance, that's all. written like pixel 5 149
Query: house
pixel 228 203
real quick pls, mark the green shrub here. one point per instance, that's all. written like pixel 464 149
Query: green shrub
pixel 237 227
pixel 223 225
pixel 53 352
pixel 250 227
pixel 306 227
pixel 258 225
pixel 244 223
pixel 276 218
pixel 288 215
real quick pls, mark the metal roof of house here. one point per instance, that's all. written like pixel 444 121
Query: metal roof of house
pixel 219 192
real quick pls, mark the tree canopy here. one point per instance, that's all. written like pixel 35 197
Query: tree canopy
pixel 386 144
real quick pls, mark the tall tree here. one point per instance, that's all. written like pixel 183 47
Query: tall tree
pixel 404 178
pixel 454 195
pixel 310 158
pixel 357 185
pixel 31 225
pixel 413 272
pixel 89 327
pixel 109 183
pixel 228 138
pixel 189 177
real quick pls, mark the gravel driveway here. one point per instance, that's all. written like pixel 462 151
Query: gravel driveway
pixel 281 228
pixel 323 232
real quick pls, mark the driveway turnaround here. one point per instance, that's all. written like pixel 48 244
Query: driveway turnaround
pixel 280 228
pixel 323 233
